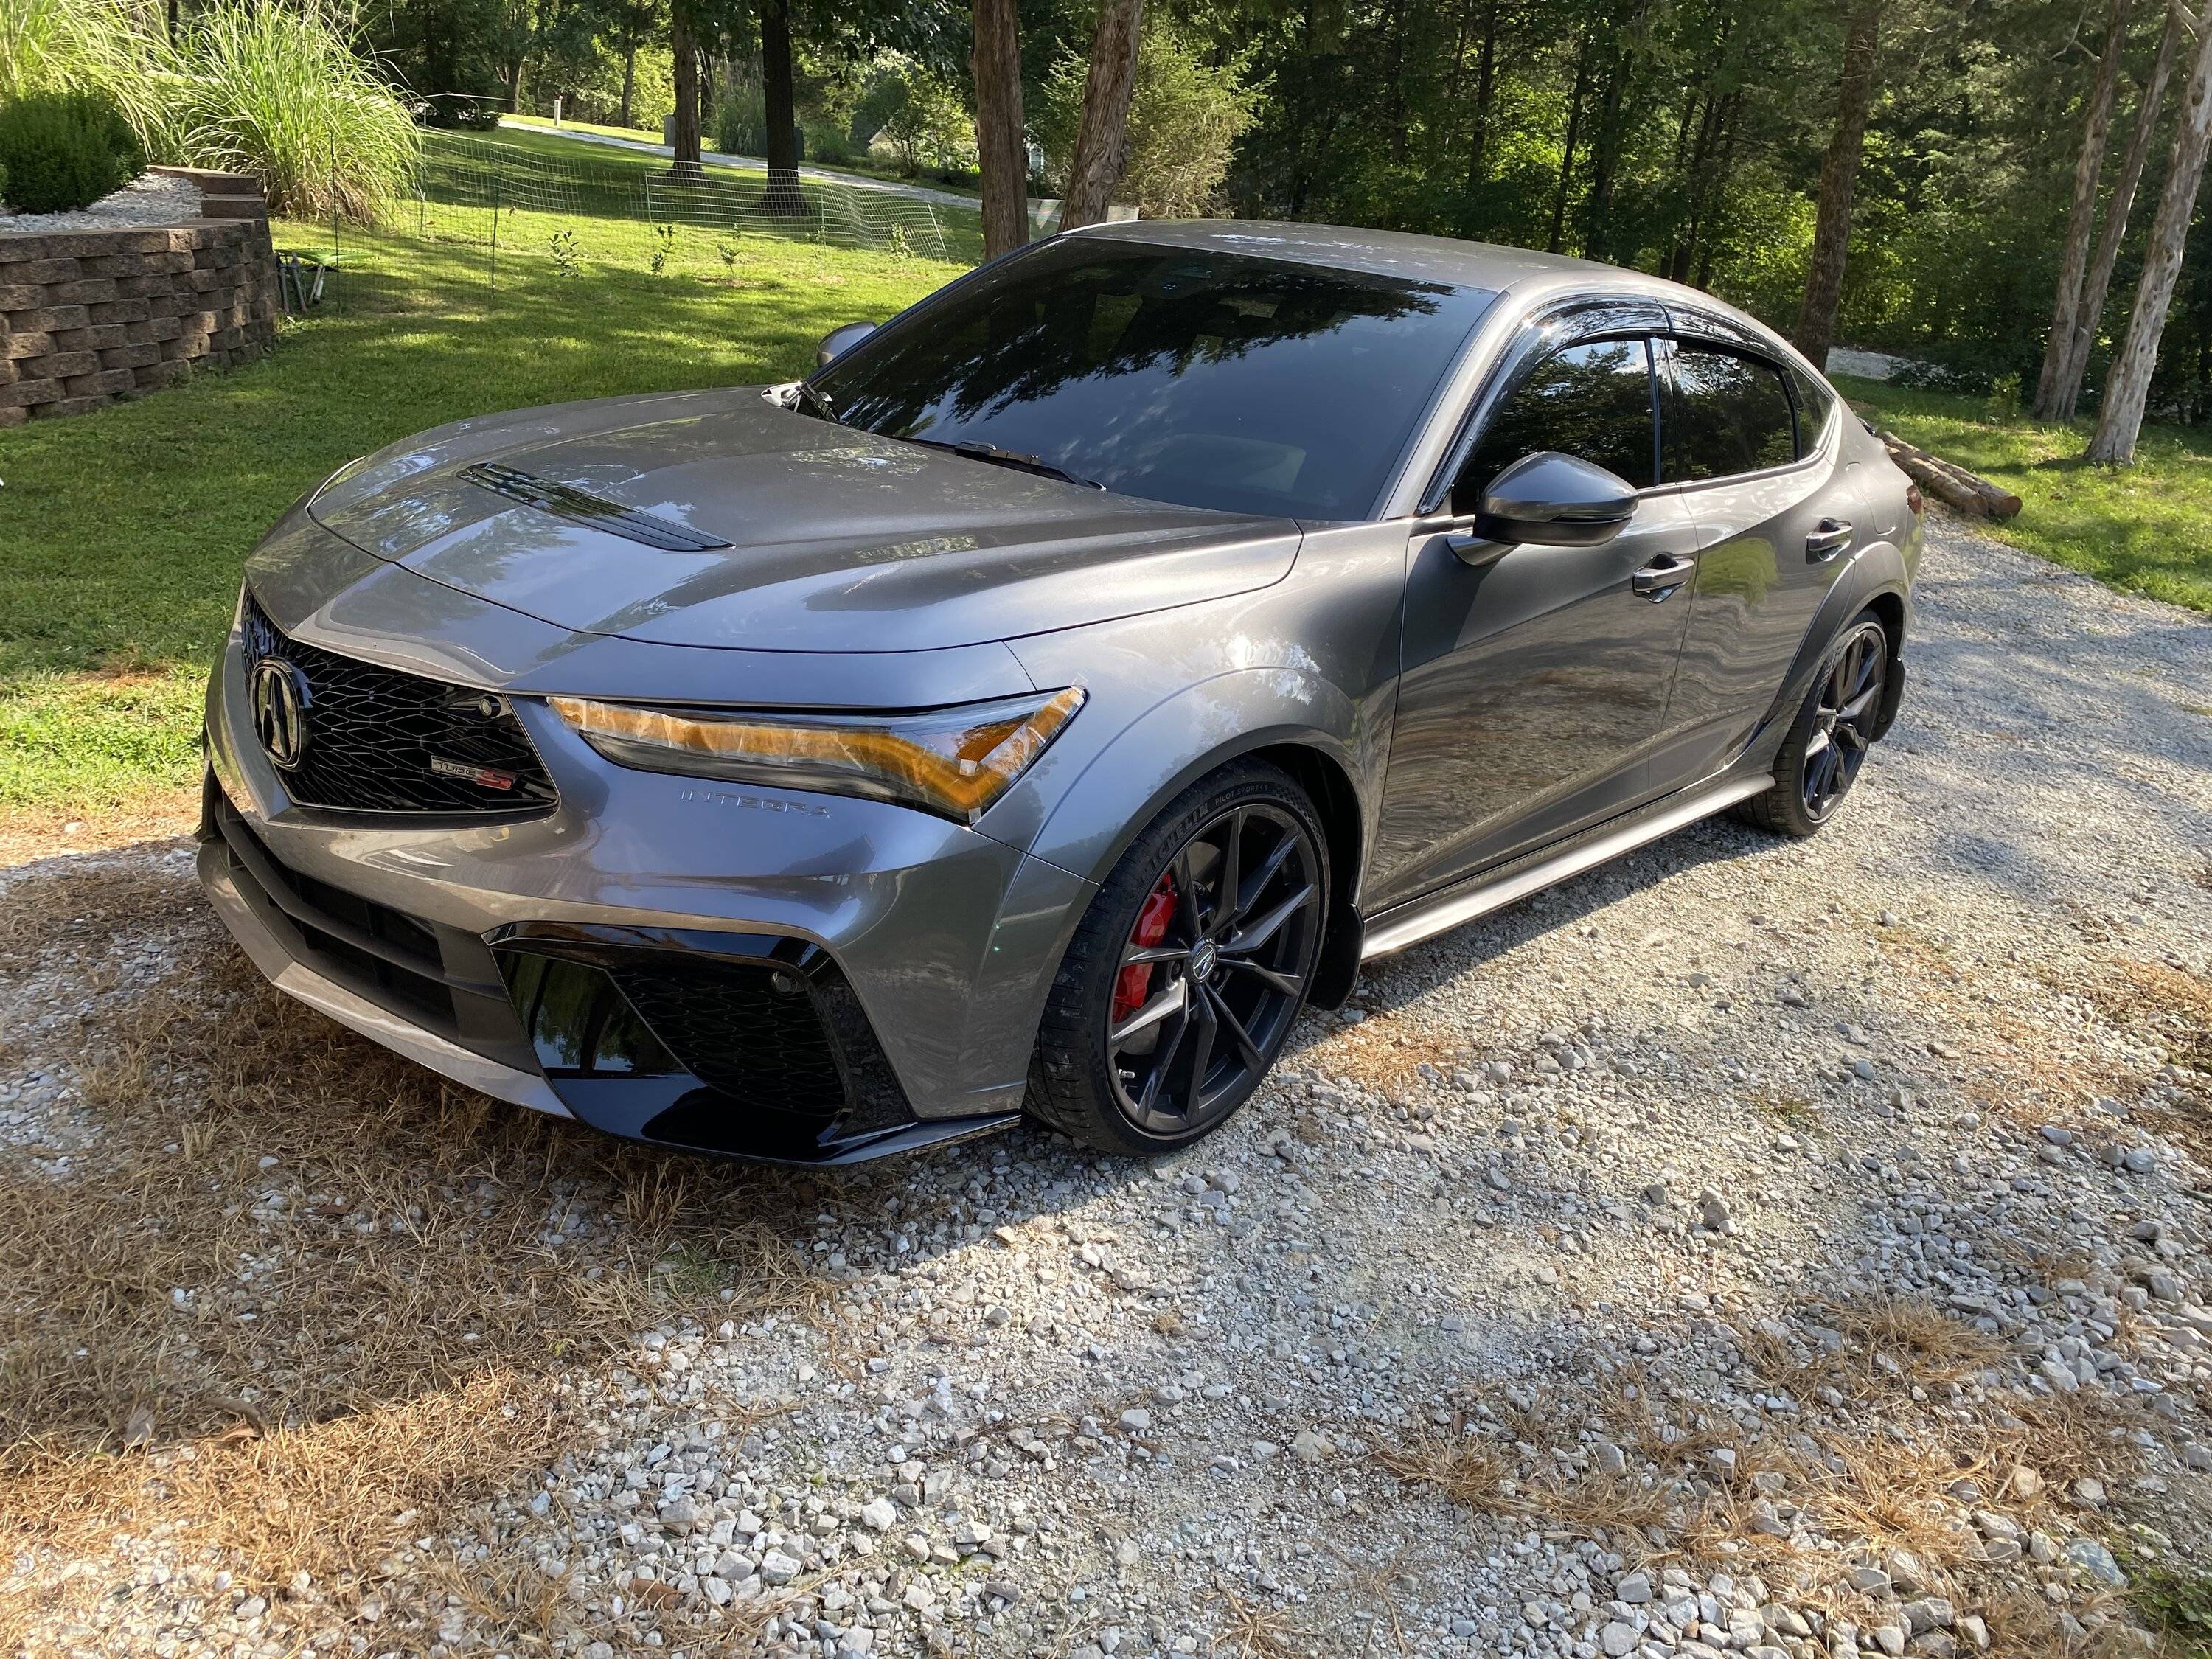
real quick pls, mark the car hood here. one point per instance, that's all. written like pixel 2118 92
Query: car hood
pixel 833 539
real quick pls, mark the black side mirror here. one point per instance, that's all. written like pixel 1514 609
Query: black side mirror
pixel 839 341
pixel 1554 500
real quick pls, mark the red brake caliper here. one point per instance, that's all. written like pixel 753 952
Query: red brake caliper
pixel 1135 984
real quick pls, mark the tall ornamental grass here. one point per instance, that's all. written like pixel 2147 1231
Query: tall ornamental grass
pixel 276 91
pixel 269 88
pixel 86 45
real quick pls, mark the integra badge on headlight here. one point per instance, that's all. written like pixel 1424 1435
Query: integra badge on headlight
pixel 483 775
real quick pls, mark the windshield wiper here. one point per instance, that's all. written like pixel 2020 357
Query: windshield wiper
pixel 819 400
pixel 1013 458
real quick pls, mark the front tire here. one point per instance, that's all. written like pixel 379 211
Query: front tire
pixel 1188 972
pixel 1828 742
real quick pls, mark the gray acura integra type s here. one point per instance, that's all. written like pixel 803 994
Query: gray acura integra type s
pixel 1035 708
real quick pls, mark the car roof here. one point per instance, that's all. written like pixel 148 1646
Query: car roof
pixel 1487 266
pixel 1384 252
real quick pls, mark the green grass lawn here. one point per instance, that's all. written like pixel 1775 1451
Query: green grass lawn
pixel 509 123
pixel 638 135
pixel 2146 528
pixel 122 532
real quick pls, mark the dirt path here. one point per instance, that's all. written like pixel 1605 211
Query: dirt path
pixel 1799 1249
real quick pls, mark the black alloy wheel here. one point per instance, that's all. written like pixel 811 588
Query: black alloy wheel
pixel 1214 971
pixel 1826 746
pixel 1848 702
pixel 1184 979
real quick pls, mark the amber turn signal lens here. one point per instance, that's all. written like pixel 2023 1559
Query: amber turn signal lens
pixel 952 761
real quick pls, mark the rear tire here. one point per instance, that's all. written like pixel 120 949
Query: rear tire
pixel 1176 996
pixel 1828 742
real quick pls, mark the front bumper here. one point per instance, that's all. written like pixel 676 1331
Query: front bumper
pixel 760 973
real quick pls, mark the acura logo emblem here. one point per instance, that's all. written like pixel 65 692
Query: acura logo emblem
pixel 280 711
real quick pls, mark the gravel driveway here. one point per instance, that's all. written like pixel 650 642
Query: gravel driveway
pixel 1789 1249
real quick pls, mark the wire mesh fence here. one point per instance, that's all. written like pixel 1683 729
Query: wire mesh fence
pixel 521 204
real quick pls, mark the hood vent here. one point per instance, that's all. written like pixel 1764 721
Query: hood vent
pixel 580 506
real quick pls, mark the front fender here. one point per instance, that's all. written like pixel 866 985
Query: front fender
pixel 1314 729
pixel 1178 740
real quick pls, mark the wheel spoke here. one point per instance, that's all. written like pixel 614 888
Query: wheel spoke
pixel 1854 740
pixel 1237 1033
pixel 1144 953
pixel 1257 883
pixel 1814 747
pixel 1167 1002
pixel 1186 898
pixel 1251 939
pixel 1267 976
pixel 1816 779
pixel 1858 706
pixel 1226 873
pixel 1162 1064
pixel 1868 662
pixel 1202 1055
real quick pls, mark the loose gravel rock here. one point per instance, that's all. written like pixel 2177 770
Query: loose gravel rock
pixel 152 198
pixel 1785 1249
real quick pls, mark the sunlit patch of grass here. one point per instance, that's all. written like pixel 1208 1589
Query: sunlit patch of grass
pixel 2146 528
pixel 125 530
pixel 91 742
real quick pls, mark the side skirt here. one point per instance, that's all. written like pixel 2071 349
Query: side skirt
pixel 1423 918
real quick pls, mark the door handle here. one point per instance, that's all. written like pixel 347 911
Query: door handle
pixel 1829 538
pixel 1656 582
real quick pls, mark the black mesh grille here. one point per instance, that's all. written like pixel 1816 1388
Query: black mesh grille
pixel 381 741
pixel 733 1029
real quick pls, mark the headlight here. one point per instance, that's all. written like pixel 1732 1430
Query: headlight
pixel 952 761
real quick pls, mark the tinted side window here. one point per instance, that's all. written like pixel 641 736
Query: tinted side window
pixel 1593 401
pixel 1729 414
pixel 1814 403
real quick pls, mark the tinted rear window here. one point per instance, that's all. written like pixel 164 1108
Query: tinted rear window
pixel 1729 414
pixel 1814 403
pixel 1209 379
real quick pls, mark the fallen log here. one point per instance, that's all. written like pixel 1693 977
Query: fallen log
pixel 1948 482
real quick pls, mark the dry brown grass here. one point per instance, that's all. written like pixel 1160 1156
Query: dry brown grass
pixel 2172 1007
pixel 389 1342
pixel 31 833
pixel 1485 1479
pixel 1253 1630
pixel 1886 1474
pixel 1892 1340
pixel 73 908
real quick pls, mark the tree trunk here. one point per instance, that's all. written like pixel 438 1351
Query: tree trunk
pixel 1839 171
pixel 1478 149
pixel 1485 87
pixel 1604 154
pixel 1567 150
pixel 684 49
pixel 2088 168
pixel 629 80
pixel 782 145
pixel 1102 141
pixel 2127 390
pixel 2091 310
pixel 1001 153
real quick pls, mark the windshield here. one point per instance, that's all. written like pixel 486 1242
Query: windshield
pixel 1209 379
